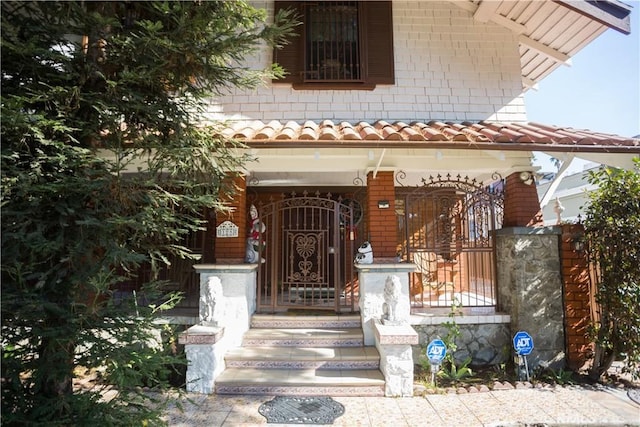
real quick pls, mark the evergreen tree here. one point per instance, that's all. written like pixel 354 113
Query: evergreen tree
pixel 107 164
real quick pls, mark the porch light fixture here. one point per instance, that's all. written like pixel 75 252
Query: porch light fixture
pixel 383 204
pixel 526 177
pixel 577 243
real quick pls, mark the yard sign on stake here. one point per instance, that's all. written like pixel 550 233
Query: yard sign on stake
pixel 436 350
pixel 523 344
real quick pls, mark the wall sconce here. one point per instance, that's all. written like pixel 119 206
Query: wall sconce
pixel 578 243
pixel 526 177
pixel 383 204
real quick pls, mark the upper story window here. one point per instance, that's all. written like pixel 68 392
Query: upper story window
pixel 340 45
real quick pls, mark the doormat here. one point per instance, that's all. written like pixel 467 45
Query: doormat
pixel 301 410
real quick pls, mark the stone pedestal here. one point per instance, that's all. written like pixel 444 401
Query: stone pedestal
pixel 224 326
pixel 238 282
pixel 205 362
pixel 394 343
pixel 372 279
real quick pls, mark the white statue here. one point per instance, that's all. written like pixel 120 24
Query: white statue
pixel 392 296
pixel 211 302
pixel 365 254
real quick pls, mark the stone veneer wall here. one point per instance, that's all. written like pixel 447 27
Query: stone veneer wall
pixel 530 289
pixel 485 339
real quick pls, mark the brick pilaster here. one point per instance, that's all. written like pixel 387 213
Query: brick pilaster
pixel 575 278
pixel 521 204
pixel 233 247
pixel 381 222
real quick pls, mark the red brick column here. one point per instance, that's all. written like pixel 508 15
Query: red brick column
pixel 381 222
pixel 233 247
pixel 575 278
pixel 521 204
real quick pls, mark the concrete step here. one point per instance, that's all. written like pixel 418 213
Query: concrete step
pixel 303 355
pixel 308 382
pixel 305 321
pixel 275 357
pixel 304 337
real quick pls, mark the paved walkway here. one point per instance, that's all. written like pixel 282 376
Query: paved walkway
pixel 560 406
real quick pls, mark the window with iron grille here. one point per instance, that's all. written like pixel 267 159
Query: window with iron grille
pixel 340 45
pixel 332 41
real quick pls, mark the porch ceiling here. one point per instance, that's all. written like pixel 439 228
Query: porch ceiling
pixel 550 32
pixel 328 153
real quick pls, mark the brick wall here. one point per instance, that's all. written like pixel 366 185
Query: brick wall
pixel 447 67
pixel 575 277
pixel 234 247
pixel 381 223
pixel 521 204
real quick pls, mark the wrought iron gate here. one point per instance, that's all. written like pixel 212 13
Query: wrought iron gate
pixel 307 252
pixel 448 224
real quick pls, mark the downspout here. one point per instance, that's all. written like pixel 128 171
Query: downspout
pixel 375 172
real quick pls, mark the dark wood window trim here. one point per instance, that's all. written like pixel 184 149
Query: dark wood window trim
pixel 376 23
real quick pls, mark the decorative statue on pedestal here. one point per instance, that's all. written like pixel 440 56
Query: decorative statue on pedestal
pixel 392 294
pixel 257 227
pixel 365 254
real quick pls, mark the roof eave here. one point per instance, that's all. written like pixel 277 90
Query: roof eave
pixel 614 14
pixel 460 145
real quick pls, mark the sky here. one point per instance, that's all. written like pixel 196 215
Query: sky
pixel 600 91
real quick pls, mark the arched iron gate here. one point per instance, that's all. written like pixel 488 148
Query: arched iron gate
pixel 448 225
pixel 307 252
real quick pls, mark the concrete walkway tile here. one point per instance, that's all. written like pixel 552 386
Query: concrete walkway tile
pixel 418 412
pixel 617 401
pixel 451 411
pixel 488 409
pixel 585 409
pixel 384 412
pixel 355 412
pixel 536 405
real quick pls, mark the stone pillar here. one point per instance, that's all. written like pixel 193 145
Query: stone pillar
pixel 372 279
pixel 394 343
pixel 224 316
pixel 530 289
pixel 205 357
pixel 380 214
pixel 239 292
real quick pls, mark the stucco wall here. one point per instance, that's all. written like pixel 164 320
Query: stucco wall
pixel 448 67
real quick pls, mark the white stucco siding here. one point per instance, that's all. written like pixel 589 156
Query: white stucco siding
pixel 447 67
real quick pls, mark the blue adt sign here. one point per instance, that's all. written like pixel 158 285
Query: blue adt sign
pixel 436 350
pixel 523 343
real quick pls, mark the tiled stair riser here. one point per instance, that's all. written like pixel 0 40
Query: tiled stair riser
pixel 287 364
pixel 303 355
pixel 302 342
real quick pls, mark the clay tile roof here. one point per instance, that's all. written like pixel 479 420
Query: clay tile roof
pixel 480 135
pixel 367 131
pixel 409 132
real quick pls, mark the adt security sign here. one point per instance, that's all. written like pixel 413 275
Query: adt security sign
pixel 523 343
pixel 436 350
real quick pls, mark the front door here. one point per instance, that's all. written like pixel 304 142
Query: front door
pixel 307 251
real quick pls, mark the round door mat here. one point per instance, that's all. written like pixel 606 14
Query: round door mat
pixel 301 410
